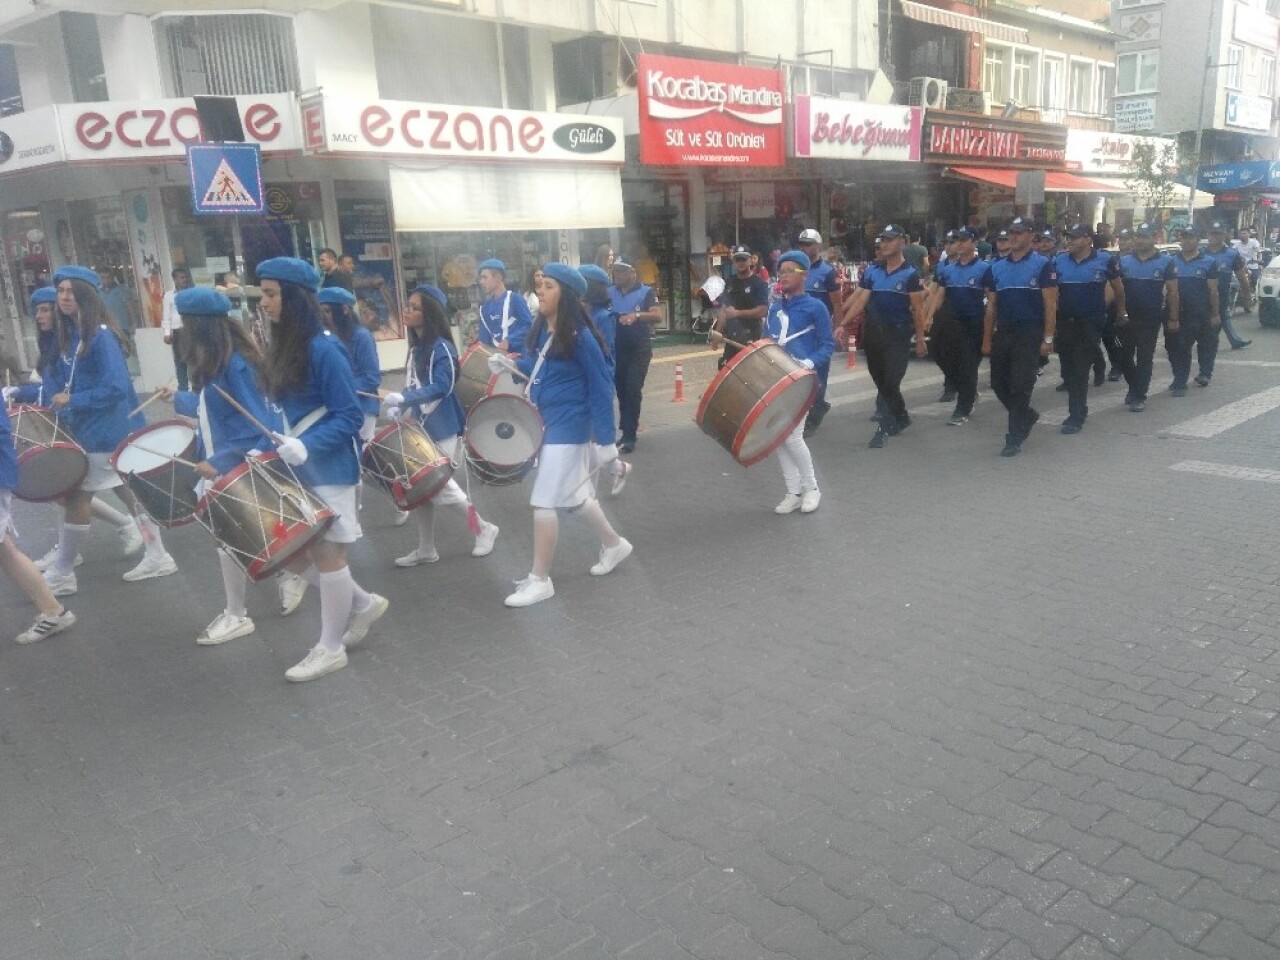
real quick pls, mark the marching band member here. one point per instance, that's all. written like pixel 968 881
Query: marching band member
pixel 599 305
pixel 429 394
pixel 308 376
pixel 504 315
pixel 337 310
pixel 568 376
pixel 89 384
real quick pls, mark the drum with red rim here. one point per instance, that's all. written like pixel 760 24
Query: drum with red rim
pixel 402 459
pixel 476 381
pixel 165 487
pixel 50 462
pixel 504 434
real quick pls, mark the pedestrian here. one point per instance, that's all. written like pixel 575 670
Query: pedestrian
pixel 1150 293
pixel 1018 328
pixel 307 375
pixel 119 301
pixel 1085 275
pixel 504 315
pixel 941 330
pixel 892 293
pixel 1230 263
pixel 953 315
pixel 743 304
pixel 636 306
pixel 563 360
pixel 1198 319
pixel 331 267
pixel 822 283
pixel 171 323
pixel 530 289
pixel 429 397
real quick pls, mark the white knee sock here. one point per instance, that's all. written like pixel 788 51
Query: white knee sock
pixel 234 582
pixel 104 511
pixel 593 513
pixel 426 517
pixel 335 606
pixel 150 537
pixel 70 538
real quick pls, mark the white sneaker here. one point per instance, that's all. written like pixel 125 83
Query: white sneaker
pixel 809 501
pixel 291 589
pixel 316 664
pixel 225 626
pixel 47 626
pixel 62 584
pixel 416 556
pixel 149 569
pixel 402 517
pixel 130 538
pixel 620 477
pixel 610 557
pixel 790 504
pixel 45 562
pixel 484 542
pixel 531 590
pixel 363 620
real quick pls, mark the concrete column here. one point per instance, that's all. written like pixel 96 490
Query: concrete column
pixel 130 58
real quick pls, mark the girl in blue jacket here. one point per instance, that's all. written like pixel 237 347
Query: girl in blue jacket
pixel 337 310
pixel 429 394
pixel 569 382
pixel 88 384
pixel 308 376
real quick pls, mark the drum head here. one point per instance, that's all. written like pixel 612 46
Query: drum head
pixel 504 430
pixel 49 472
pixel 774 417
pixel 141 451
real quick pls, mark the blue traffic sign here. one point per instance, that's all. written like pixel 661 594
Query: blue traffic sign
pixel 225 177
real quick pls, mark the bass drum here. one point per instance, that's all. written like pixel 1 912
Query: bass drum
pixel 756 400
pixel 504 434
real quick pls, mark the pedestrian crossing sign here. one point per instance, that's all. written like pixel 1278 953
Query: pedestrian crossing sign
pixel 225 177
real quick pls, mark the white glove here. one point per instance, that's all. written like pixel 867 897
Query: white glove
pixel 8 392
pixel 292 451
pixel 807 363
pixel 607 453
pixel 498 363
pixel 393 400
pixel 393 413
pixel 35 377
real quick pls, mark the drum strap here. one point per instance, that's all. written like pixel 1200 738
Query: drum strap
pixel 537 366
pixel 785 321
pixel 306 423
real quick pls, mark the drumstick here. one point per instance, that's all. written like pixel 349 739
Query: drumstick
pixel 167 456
pixel 732 343
pixel 587 479
pixel 365 393
pixel 151 399
pixel 245 413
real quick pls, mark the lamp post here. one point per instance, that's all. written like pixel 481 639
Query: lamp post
pixel 1204 88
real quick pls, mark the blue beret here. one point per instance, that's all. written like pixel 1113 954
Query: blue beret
pixel 434 292
pixel 43 295
pixel 289 270
pixel 566 276
pixel 493 264
pixel 337 295
pixel 73 272
pixel 590 271
pixel 795 256
pixel 201 302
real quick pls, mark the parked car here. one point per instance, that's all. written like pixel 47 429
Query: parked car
pixel 1268 293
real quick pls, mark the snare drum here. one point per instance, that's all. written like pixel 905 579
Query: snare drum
pixel 403 461
pixel 504 433
pixel 262 515
pixel 50 463
pixel 164 487
pixel 476 381
pixel 756 400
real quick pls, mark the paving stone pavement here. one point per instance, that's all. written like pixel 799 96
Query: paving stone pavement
pixel 972 707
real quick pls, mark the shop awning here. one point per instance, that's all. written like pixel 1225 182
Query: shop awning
pixel 960 21
pixel 1055 181
pixel 1181 195
pixel 493 196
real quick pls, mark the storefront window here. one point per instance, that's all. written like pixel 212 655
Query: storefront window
pixel 100 240
pixel 364 221
pixel 26 254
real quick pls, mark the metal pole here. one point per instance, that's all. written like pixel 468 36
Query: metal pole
pixel 1204 87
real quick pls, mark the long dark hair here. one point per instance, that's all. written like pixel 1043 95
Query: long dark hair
pixel 208 342
pixel 93 313
pixel 289 358
pixel 339 318
pixel 435 325
pixel 571 316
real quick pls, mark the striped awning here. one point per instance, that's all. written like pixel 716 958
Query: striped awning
pixel 960 21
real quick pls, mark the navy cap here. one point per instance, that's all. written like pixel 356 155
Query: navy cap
pixel 1191 230
pixel 1078 230
pixel 891 231
pixel 432 291
pixel 336 295
pixel 73 272
pixel 795 256
pixel 289 270
pixel 567 276
pixel 493 264
pixel 965 233
pixel 620 264
pixel 741 251
pixel 951 236
pixel 1020 225
pixel 1219 227
pixel 43 295
pixel 1046 234
pixel 1002 234
pixel 1124 232
pixel 201 302
pixel 591 271
pixel 1144 229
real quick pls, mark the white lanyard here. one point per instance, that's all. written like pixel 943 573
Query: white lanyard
pixel 537 365
pixel 206 430
pixel 785 322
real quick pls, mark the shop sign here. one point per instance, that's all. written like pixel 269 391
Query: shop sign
pixel 145 248
pixel 1252 113
pixel 1090 151
pixel 164 128
pixel 758 202
pixel 984 141
pixel 854 130
pixel 1135 115
pixel 699 113
pixel 1257 175
pixel 406 128
pixel 29 139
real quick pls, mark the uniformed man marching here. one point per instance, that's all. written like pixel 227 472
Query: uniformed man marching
pixel 744 303
pixel 1230 262
pixel 1198 320
pixel 823 283
pixel 1150 293
pixel 953 315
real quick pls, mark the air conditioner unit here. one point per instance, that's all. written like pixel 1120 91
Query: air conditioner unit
pixel 928 92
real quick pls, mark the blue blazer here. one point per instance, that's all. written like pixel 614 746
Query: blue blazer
pixel 102 392
pixel 232 435
pixel 331 441
pixel 437 370
pixel 573 394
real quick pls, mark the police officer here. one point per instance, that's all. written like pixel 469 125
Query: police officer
pixel 939 336
pixel 824 284
pixel 953 314
pixel 636 306
pixel 1150 292
pixel 1111 331
pixel 1046 242
pixel 745 301
pixel 1198 319
pixel 1229 262
pixel 892 293
pixel 1018 328
pixel 1084 274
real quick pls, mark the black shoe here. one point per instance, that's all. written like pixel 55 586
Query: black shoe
pixel 1137 406
pixel 1241 345
pixel 1099 376
pixel 898 426
pixel 1012 446
pixel 1033 417
pixel 1114 374
pixel 948 395
pixel 1071 426
pixel 627 446
pixel 877 417
pixel 1202 380
pixel 879 439
pixel 1177 391
pixel 1061 388
pixel 959 418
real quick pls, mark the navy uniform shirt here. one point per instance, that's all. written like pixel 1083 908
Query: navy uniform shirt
pixel 1229 261
pixel 1082 284
pixel 1193 285
pixel 744 293
pixel 1019 286
pixel 822 282
pixel 636 300
pixel 1144 281
pixel 891 291
pixel 963 283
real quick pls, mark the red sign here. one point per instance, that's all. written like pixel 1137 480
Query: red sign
pixel 697 113
pixel 983 141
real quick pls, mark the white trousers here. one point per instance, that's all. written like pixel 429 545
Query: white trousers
pixel 796 462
